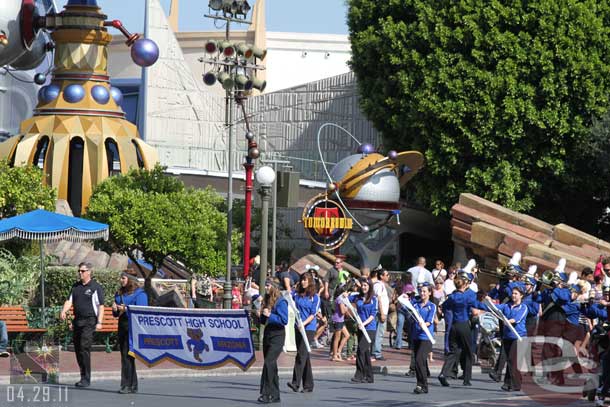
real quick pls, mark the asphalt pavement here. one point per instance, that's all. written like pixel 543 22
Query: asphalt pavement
pixel 331 390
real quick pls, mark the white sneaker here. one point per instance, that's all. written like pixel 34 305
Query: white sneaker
pixel 4 354
pixel 599 402
pixel 317 344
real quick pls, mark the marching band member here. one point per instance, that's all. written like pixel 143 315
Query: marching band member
pixel 308 304
pixel 366 306
pixel 516 313
pixel 422 344
pixel 599 311
pixel 503 293
pixel 554 316
pixel 531 301
pixel 274 315
pixel 460 302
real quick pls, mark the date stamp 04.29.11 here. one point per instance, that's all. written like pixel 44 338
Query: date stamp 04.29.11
pixel 35 395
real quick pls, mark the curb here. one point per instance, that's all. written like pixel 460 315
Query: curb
pixel 254 371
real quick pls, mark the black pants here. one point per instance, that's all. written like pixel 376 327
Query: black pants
pixel 364 368
pixel 605 380
pixel 460 342
pixel 512 378
pixel 273 342
pixel 554 326
pixel 83 339
pixel 302 362
pixel 129 377
pixel 421 352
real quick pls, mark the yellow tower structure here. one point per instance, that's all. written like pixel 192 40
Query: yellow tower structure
pixel 79 130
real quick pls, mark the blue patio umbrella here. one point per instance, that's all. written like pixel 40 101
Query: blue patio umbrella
pixel 45 226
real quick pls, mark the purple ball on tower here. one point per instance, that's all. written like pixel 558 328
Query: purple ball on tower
pixel 117 95
pixel 49 93
pixel 74 93
pixel 366 148
pixel 144 52
pixel 100 94
pixel 392 154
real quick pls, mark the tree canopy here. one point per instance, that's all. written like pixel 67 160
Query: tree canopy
pixel 153 213
pixel 22 190
pixel 499 96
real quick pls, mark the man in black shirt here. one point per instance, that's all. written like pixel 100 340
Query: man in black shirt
pixel 87 297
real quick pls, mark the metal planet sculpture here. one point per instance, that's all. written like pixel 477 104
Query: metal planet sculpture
pixel 78 131
pixel 364 188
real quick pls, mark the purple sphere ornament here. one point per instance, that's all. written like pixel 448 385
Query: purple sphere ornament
pixel 74 93
pixel 117 95
pixel 49 93
pixel 100 94
pixel 392 154
pixel 366 148
pixel 40 79
pixel 144 52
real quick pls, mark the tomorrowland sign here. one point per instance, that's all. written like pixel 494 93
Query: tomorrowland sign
pixel 326 222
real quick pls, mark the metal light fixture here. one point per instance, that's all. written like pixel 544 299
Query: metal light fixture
pixel 226 80
pixel 243 82
pixel 259 84
pixel 227 49
pixel 245 50
pixel 265 176
pixel 259 52
pixel 211 47
pixel 209 78
pixel 215 5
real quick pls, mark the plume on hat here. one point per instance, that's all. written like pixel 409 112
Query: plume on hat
pixel 561 265
pixel 514 261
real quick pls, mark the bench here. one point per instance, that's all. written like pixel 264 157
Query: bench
pixel 16 320
pixel 110 325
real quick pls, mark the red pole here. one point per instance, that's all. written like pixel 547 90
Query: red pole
pixel 249 166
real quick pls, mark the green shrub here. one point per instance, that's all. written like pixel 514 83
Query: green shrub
pixel 19 278
pixel 60 279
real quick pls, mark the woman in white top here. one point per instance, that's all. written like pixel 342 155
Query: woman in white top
pixel 448 285
pixel 439 271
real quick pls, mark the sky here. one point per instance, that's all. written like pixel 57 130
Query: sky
pixel 305 16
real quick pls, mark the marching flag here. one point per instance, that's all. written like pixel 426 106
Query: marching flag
pixel 193 338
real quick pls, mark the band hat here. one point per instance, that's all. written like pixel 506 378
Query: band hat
pixel 563 276
pixel 519 288
pixel 514 261
pixel 469 266
pixel 530 281
pixel 561 265
pixel 573 278
pixel 531 271
pixel 576 288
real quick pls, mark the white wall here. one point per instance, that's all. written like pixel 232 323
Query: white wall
pixel 295 58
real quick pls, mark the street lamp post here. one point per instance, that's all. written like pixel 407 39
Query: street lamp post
pixel 235 67
pixel 265 176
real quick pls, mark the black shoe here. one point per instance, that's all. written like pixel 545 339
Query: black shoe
pixel 466 384
pixel 443 380
pixel 420 390
pixel 354 380
pixel 273 400
pixel 82 383
pixel 263 399
pixel 379 357
pixel 453 376
pixel 133 390
pixel 294 388
pixel 506 387
pixel 306 390
pixel 494 376
pixel 410 373
pixel 124 390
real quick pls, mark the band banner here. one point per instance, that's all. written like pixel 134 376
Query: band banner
pixel 192 338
